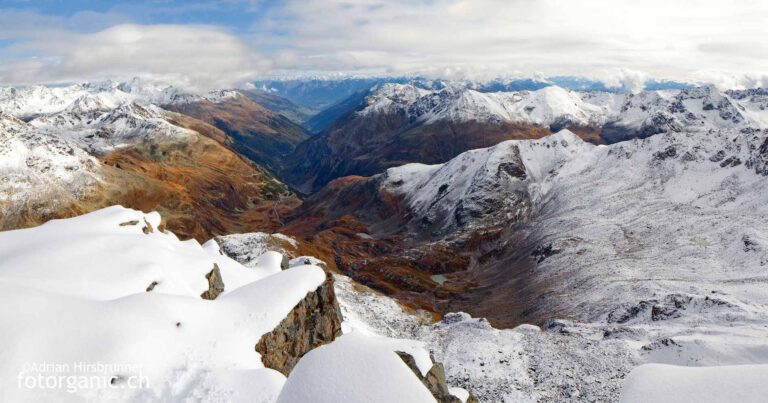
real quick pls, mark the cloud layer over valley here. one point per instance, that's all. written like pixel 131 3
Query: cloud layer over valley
pixel 224 43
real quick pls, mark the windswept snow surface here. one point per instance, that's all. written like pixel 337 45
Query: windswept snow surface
pixel 107 307
pixel 358 368
pixel 655 383
pixel 75 291
pixel 246 248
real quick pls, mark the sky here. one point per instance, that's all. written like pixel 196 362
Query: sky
pixel 206 44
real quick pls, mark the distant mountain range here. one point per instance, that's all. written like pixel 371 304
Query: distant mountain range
pixel 317 94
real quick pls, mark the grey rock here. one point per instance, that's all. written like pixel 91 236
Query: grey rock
pixel 215 284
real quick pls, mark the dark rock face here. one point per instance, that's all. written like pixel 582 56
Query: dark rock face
pixel 512 169
pixel 666 308
pixel 731 162
pixel 434 380
pixel 215 284
pixel 315 321
pixel 669 152
pixel 759 161
pixel 542 252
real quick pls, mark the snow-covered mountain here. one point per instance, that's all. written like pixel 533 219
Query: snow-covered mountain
pixel 458 103
pixel 645 244
pixel 56 171
pixel 645 251
pixel 101 116
pixel 566 361
pixel 660 206
pixel 69 150
pixel 704 107
pixel 401 123
pixel 29 102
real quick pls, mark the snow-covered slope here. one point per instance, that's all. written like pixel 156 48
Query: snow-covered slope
pixel 656 248
pixel 110 298
pixel 679 206
pixel 55 169
pixel 666 383
pixel 342 372
pixel 97 128
pixel 101 116
pixel 117 293
pixel 490 183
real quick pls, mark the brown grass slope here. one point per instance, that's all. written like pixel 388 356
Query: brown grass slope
pixel 201 187
pixel 252 130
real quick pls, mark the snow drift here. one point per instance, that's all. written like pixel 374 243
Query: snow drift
pixel 111 298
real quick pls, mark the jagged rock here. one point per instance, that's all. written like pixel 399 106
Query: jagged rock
pixel 669 152
pixel 302 260
pixel 152 286
pixel 215 283
pixel 314 321
pixel 147 229
pixel 285 263
pixel 127 223
pixel 542 252
pixel 434 380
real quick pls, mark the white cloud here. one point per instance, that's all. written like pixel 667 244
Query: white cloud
pixel 620 42
pixel 194 57
pixel 629 80
pixel 731 80
pixel 664 38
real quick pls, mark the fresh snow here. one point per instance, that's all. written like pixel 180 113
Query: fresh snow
pixel 437 191
pixel 246 248
pixel 656 383
pixel 111 288
pixel 76 291
pixel 37 166
pixel 358 368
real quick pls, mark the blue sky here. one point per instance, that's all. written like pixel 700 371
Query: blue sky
pixel 209 43
pixel 236 15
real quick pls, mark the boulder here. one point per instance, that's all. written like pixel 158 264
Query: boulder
pixel 434 380
pixel 215 284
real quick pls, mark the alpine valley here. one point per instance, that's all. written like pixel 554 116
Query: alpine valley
pixel 386 240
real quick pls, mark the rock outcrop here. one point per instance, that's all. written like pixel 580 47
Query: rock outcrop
pixel 215 284
pixel 434 380
pixel 315 321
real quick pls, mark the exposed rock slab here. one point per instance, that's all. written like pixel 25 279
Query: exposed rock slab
pixel 315 321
